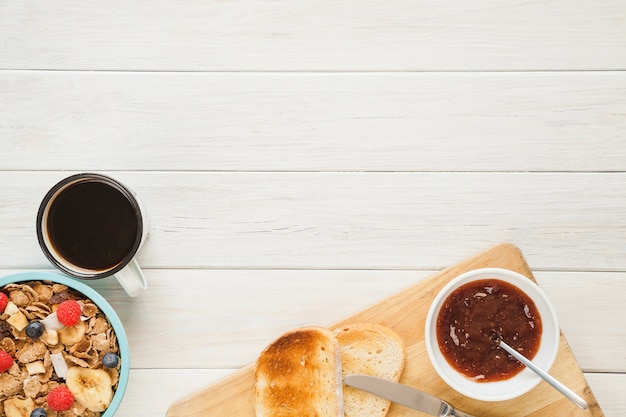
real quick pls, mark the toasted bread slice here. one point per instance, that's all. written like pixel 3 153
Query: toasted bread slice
pixel 369 349
pixel 299 375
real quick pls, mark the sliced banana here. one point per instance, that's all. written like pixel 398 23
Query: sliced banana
pixel 15 407
pixel 71 335
pixel 91 387
pixel 50 337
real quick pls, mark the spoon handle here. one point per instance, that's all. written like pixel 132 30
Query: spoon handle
pixel 571 395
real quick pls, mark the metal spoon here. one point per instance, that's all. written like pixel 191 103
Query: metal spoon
pixel 571 395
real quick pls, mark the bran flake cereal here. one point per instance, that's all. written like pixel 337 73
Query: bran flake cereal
pixel 61 355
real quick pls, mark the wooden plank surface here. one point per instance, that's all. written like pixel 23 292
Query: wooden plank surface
pixel 265 35
pixel 223 114
pixel 167 386
pixel 341 220
pixel 406 312
pixel 546 121
pixel 225 333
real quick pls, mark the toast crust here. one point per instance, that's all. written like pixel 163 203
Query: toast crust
pixel 299 374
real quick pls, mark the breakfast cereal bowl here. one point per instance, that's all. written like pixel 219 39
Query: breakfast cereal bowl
pixel 63 348
pixel 468 317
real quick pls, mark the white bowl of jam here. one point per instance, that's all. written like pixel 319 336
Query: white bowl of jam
pixel 469 315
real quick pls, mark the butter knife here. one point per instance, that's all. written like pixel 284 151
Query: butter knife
pixel 404 395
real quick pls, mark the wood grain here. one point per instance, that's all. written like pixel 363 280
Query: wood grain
pixel 585 303
pixel 265 35
pixel 423 130
pixel 234 394
pixel 342 220
pixel 558 122
pixel 165 386
pixel 218 330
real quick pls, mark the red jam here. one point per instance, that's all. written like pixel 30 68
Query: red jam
pixel 476 312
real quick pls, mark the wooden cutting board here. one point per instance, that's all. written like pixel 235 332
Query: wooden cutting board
pixel 406 313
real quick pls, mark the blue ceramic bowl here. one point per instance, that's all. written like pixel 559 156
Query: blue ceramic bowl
pixel 104 306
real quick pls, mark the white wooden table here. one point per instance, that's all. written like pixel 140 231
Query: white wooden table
pixel 302 160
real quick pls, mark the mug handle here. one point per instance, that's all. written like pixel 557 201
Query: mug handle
pixel 131 278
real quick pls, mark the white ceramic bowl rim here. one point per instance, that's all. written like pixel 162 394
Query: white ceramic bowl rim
pixel 104 306
pixel 522 382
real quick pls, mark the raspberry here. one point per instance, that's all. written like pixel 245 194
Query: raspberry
pixel 6 361
pixel 4 300
pixel 60 398
pixel 68 313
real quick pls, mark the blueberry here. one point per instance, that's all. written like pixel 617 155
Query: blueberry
pixel 38 412
pixel 110 360
pixel 34 330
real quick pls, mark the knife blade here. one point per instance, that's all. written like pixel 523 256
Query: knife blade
pixel 404 395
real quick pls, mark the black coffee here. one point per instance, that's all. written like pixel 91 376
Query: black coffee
pixel 92 225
